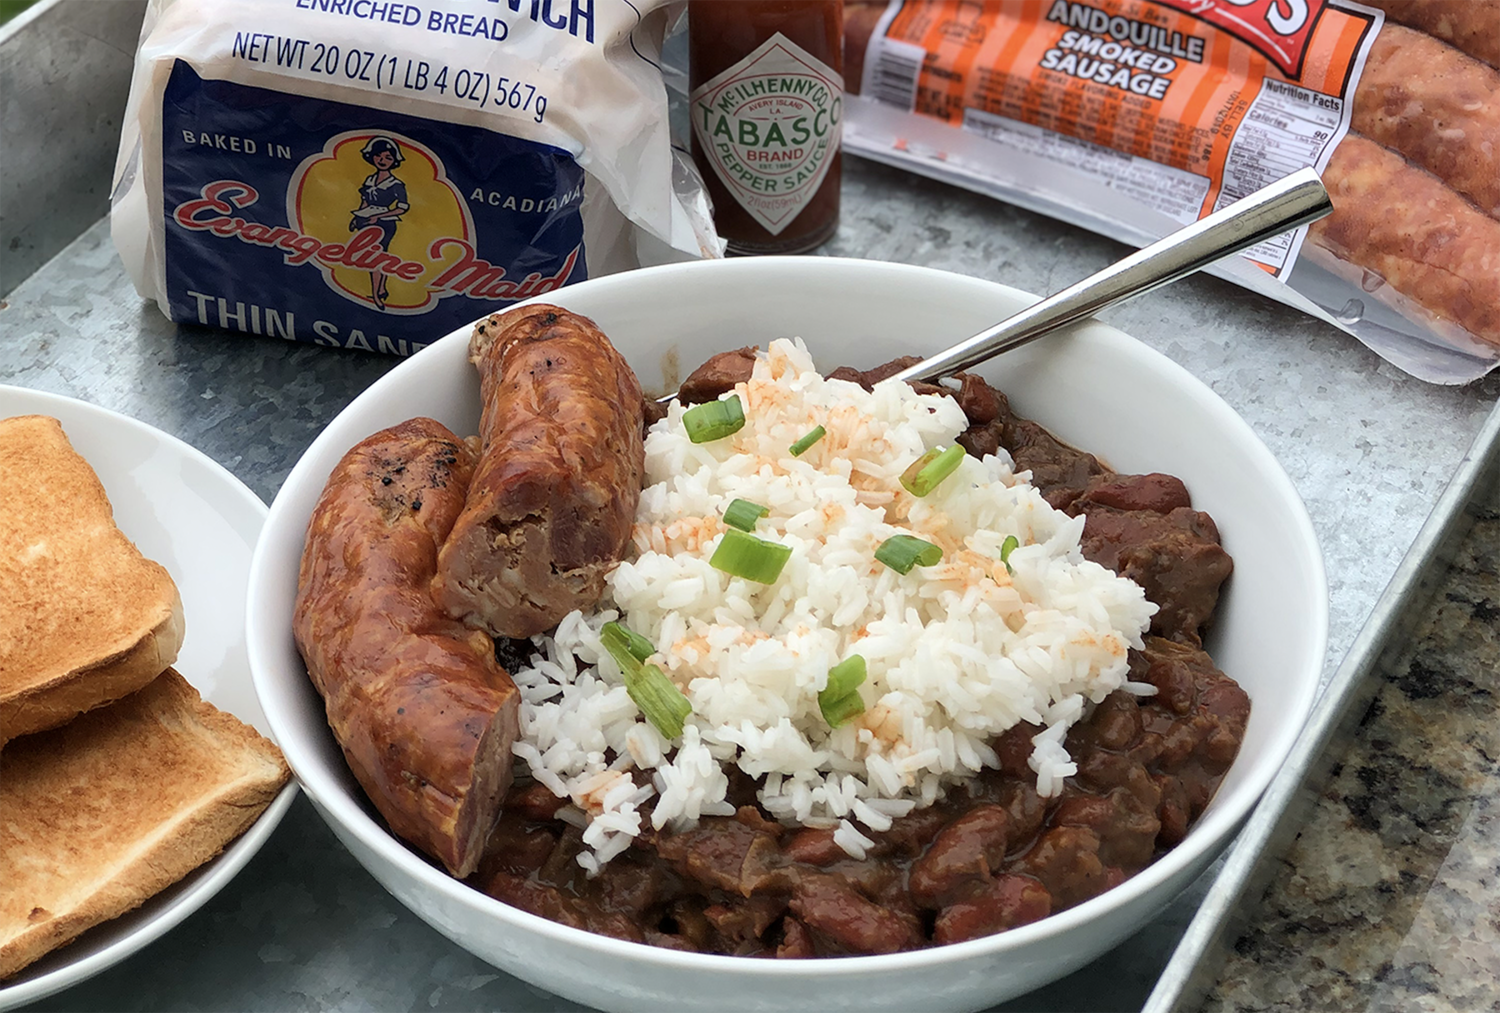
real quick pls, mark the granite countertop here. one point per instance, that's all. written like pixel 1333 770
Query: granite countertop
pixel 1387 899
pixel 1368 448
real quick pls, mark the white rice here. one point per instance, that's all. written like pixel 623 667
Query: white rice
pixel 956 653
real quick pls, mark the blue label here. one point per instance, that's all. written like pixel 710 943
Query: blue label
pixel 311 220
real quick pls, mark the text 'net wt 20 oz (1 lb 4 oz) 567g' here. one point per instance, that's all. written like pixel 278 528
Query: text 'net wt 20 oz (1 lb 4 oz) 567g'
pixel 375 175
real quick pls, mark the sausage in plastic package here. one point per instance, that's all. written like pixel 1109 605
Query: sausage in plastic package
pixel 1135 117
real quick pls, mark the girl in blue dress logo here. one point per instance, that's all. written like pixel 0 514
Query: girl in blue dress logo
pixel 382 202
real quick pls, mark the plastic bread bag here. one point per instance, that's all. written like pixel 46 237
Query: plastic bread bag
pixel 1135 117
pixel 373 174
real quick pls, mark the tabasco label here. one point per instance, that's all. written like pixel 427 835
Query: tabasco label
pixel 770 127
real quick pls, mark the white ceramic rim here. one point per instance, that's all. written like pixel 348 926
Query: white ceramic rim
pixel 198 887
pixel 1216 823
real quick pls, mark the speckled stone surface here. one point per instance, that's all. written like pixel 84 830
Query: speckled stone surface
pixel 305 928
pixel 1391 894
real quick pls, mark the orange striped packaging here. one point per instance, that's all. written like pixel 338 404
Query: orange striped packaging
pixel 1183 105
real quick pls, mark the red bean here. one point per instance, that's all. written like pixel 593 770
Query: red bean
pixel 1066 860
pixel 971 847
pixel 1002 903
pixel 829 904
pixel 814 846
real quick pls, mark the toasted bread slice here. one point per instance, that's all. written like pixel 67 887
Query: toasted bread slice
pixel 84 617
pixel 104 812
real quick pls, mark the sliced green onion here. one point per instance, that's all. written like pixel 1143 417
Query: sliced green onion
pixel 902 552
pixel 839 701
pixel 743 514
pixel 742 555
pixel 910 474
pixel 845 677
pixel 807 441
pixel 659 699
pixel 714 420
pixel 838 711
pixel 617 637
pixel 1011 544
pixel 931 468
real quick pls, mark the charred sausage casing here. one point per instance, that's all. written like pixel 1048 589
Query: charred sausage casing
pixel 554 495
pixel 425 715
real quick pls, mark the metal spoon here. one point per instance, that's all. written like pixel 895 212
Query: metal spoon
pixel 1290 202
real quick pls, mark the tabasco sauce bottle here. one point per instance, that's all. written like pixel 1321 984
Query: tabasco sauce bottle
pixel 767 102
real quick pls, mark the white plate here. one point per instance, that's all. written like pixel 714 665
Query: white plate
pixel 189 514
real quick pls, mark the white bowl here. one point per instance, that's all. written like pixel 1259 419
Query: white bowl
pixel 1094 387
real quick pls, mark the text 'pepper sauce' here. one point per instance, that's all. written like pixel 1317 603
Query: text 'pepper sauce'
pixel 767 105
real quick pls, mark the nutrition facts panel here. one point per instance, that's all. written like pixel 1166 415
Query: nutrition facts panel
pixel 1174 192
pixel 1285 129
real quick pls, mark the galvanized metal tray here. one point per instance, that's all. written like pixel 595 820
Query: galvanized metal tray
pixel 1316 903
pixel 1370 451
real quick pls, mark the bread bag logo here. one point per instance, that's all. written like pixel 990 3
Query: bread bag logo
pixel 1278 29
pixel 377 215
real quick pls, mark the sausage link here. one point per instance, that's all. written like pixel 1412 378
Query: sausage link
pixel 554 495
pixel 1429 244
pixel 1437 107
pixel 425 715
pixel 1470 25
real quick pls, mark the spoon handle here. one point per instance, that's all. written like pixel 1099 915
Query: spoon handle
pixel 1286 204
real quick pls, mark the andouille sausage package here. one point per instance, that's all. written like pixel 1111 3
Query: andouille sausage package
pixel 1135 117
pixel 373 174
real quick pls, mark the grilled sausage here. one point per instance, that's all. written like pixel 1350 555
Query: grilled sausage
pixel 1437 107
pixel 1470 25
pixel 1428 243
pixel 425 715
pixel 554 495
